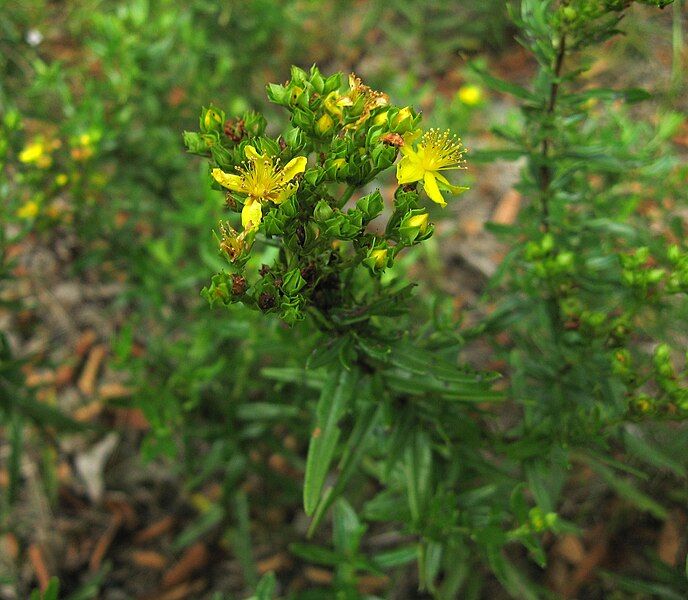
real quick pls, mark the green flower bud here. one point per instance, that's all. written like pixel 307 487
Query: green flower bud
pixel 323 211
pixel 317 81
pixel 371 205
pixel 278 94
pixel 673 253
pixel 414 227
pixel 292 282
pixel 654 275
pixel 378 259
pixel 569 13
pixel 212 119
pixel 547 243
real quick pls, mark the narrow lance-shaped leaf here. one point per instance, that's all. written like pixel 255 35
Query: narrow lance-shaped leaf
pixel 334 400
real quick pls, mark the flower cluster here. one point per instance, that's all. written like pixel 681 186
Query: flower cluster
pixel 304 191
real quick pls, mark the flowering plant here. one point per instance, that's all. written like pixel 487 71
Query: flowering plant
pixel 384 385
pixel 298 188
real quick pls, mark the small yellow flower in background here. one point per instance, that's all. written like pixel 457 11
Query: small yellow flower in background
pixel 437 151
pixel 470 95
pixel 32 152
pixel 38 153
pixel 261 180
pixel 61 179
pixel 29 210
pixel 82 146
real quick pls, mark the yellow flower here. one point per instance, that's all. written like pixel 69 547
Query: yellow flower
pixel 261 179
pixel 234 244
pixel 470 95
pixel 32 152
pixel 437 151
pixel 29 210
pixel 61 179
pixel 371 99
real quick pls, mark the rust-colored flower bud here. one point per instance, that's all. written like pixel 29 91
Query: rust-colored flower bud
pixel 266 301
pixel 238 284
pixel 392 139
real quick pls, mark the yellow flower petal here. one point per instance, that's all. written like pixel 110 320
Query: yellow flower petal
pixel 251 153
pixel 231 182
pixel 293 168
pixel 251 214
pixel 431 189
pixel 28 211
pixel 285 193
pixel 31 152
pixel 409 171
pixel 454 189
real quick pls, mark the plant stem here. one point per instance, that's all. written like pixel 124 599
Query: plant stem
pixel 346 196
pixel 545 170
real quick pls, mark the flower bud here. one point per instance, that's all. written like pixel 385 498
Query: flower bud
pixel 402 116
pixel 371 205
pixel 378 259
pixel 324 125
pixel 295 94
pixel 673 253
pixel 414 227
pixel 381 118
pixel 212 120
pixel 293 282
pixel 322 211
pixel 570 13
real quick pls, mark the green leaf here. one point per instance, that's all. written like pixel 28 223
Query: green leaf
pixel 651 455
pixel 397 557
pixel 334 400
pixel 505 87
pixel 347 529
pixel 266 588
pixel 262 411
pixel 199 527
pixel 630 95
pixel 311 379
pixel 353 452
pixel 418 472
pixel 327 353
pixel 627 490
pixel 317 554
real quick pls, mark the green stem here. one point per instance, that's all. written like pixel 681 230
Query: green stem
pixel 545 169
pixel 346 196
